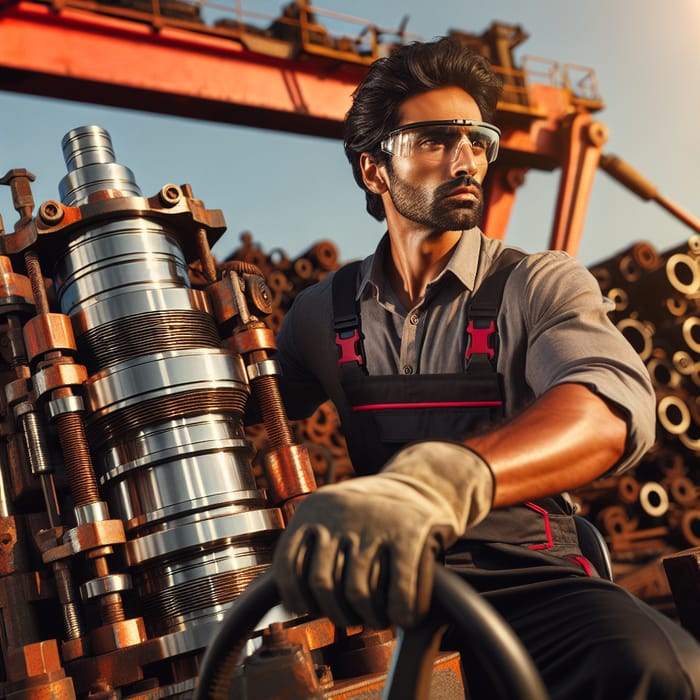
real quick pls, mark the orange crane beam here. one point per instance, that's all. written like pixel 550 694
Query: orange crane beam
pixel 73 49
pixel 89 57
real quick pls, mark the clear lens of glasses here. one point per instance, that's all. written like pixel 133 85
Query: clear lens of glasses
pixel 442 140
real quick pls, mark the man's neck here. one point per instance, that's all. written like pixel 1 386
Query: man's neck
pixel 416 259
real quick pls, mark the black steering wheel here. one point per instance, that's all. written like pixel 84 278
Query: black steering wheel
pixel 500 653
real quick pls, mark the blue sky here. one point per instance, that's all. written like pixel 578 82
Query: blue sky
pixel 290 191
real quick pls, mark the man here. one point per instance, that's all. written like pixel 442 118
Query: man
pixel 465 445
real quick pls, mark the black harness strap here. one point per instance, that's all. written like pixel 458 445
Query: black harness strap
pixel 482 311
pixel 346 319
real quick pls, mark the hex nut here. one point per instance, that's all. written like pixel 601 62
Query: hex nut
pixel 33 660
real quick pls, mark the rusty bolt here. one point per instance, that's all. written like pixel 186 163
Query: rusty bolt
pixel 597 134
pixel 118 635
pixel 275 635
pixel 10 175
pixel 72 649
pixel 170 195
pixel 51 212
pixel 259 294
pixel 33 659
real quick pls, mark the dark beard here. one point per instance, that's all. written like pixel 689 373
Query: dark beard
pixel 431 208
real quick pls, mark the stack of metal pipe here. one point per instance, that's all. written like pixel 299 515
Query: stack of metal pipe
pixel 653 510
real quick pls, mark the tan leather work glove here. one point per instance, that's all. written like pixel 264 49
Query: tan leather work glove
pixel 363 551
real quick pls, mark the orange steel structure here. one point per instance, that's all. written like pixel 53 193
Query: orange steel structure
pixel 297 78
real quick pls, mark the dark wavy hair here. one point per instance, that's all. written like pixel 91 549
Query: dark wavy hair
pixel 410 70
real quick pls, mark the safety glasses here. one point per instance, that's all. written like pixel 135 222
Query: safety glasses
pixel 438 141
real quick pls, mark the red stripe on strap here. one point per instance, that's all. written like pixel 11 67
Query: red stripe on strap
pixel 426 404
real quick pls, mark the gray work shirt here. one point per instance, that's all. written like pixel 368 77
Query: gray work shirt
pixel 553 328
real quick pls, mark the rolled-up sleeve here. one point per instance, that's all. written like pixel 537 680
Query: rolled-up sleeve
pixel 555 319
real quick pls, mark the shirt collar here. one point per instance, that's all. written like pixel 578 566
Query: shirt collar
pixel 462 264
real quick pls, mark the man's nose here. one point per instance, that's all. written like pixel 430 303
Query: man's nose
pixel 463 159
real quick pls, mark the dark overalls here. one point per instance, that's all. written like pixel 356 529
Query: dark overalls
pixel 390 411
pixel 524 559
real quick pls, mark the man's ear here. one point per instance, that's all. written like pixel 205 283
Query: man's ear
pixel 373 174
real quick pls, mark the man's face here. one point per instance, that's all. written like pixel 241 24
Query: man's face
pixel 441 193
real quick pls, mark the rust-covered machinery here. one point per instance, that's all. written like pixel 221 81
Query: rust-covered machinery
pixel 130 516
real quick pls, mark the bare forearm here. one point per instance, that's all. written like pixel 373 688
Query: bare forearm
pixel 567 438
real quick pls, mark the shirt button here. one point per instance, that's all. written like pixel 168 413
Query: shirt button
pixel 414 319
pixel 408 369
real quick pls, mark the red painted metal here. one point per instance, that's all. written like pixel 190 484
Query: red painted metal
pixel 71 49
pixel 91 57
pixel 500 193
pixel 583 143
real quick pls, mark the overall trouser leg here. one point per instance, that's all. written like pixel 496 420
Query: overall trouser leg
pixel 591 639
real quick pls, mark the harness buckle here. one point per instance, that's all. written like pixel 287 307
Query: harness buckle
pixel 350 348
pixel 479 340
